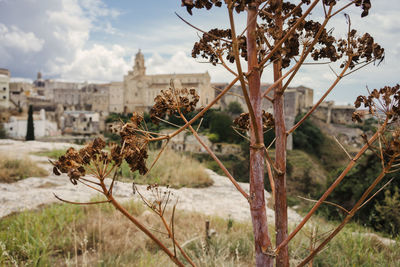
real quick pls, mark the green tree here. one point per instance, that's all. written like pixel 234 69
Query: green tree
pixel 235 108
pixel 30 132
pixel 3 133
pixel 221 124
pixel 308 137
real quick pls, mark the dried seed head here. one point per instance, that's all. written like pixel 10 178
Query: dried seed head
pixel 385 100
pixel 170 101
pixel 243 121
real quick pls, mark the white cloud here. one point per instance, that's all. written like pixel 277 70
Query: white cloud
pixel 14 37
pixel 97 64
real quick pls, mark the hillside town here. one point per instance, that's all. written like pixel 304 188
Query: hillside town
pixel 70 111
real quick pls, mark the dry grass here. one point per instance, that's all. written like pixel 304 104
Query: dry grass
pixel 67 235
pixel 173 169
pixel 12 169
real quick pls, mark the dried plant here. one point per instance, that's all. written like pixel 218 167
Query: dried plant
pixel 278 33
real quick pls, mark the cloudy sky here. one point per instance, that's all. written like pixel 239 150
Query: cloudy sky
pixel 96 40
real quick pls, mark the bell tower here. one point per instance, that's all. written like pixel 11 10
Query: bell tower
pixel 139 69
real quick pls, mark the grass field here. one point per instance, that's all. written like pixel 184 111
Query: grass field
pixel 63 235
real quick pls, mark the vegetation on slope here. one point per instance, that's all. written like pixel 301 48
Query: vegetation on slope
pixel 12 169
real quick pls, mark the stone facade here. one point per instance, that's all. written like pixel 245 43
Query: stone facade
pixel 4 89
pixel 19 93
pixel 139 89
pixel 329 113
pixel 116 97
pixel 16 126
pixel 80 123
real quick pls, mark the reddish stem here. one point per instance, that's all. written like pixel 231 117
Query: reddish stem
pixel 257 203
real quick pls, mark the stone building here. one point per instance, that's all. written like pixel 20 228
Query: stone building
pixel 19 93
pixel 80 122
pixel 16 126
pixel 330 113
pixel 140 89
pixel 95 97
pixel 4 89
pixel 116 97
pixel 47 87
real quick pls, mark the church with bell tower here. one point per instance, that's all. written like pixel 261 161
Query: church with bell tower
pixel 139 89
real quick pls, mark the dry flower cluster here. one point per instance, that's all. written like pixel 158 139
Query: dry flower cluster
pixel 173 101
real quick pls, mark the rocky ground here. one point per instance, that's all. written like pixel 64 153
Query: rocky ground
pixel 220 199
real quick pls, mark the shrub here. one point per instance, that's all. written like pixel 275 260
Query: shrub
pixel 308 137
pixel 387 212
pixel 12 170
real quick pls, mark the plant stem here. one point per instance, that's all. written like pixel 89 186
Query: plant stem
pixel 281 219
pixel 257 198
pixel 139 225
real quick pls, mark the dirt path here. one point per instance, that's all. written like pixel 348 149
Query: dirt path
pixel 220 199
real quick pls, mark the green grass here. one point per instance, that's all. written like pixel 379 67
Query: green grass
pixel 98 235
pixel 53 154
pixel 12 170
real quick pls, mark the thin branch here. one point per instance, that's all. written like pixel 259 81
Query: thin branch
pixel 271 180
pixel 380 189
pixel 158 156
pixel 173 226
pixel 356 69
pixel 79 180
pixel 342 147
pixel 80 203
pixel 198 127
pixel 272 162
pixel 341 9
pixel 293 10
pixel 320 100
pixel 333 71
pixel 200 30
pixel 87 180
pixel 220 164
pixel 112 182
pixel 235 49
pixel 228 93
pixel 326 202
pixel 272 86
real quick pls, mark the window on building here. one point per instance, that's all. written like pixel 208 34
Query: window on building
pixel 84 128
pixel 11 128
pixel 4 97
pixel 4 89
